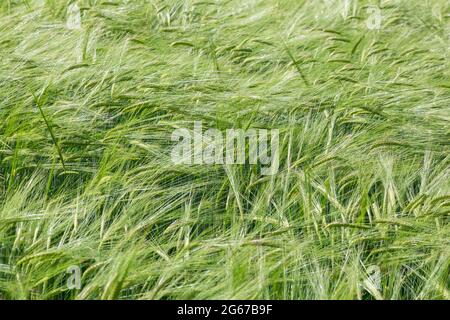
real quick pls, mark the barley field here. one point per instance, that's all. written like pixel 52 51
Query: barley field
pixel 92 205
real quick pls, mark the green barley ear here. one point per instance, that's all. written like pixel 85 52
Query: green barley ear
pixel 39 101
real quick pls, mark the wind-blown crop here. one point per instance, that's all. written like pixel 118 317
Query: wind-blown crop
pixel 358 209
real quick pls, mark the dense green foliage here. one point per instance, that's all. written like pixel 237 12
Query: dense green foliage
pixel 86 177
